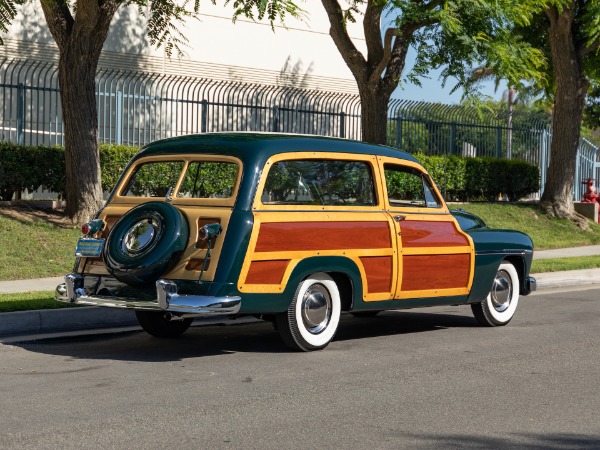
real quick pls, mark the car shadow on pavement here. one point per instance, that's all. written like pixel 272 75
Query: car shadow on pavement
pixel 508 441
pixel 259 337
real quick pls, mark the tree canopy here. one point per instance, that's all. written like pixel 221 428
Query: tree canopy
pixel 455 36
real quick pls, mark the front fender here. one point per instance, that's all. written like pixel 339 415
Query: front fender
pixel 491 248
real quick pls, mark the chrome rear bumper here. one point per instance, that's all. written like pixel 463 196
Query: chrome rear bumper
pixel 167 299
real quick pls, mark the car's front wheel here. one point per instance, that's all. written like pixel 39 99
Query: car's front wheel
pixel 313 316
pixel 155 323
pixel 501 303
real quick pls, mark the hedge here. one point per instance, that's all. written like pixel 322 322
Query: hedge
pixel 31 168
pixel 461 179
pixel 471 179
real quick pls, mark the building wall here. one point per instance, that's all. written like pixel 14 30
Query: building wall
pixel 303 52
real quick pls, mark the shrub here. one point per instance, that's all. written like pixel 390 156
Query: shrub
pixel 113 159
pixel 31 168
pixel 464 179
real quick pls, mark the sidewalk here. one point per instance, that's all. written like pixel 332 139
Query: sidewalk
pixel 41 284
pixel 36 323
pixel 588 250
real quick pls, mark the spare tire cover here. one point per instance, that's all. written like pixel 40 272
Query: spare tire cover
pixel 145 243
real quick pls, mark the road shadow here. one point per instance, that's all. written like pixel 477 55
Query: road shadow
pixel 510 441
pixel 259 337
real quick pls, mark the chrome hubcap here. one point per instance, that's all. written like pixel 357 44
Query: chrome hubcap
pixel 501 293
pixel 140 236
pixel 316 308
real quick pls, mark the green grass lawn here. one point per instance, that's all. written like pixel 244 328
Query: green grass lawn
pixel 545 232
pixel 30 300
pixel 35 249
pixel 571 263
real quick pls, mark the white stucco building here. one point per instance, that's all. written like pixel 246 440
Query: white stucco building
pixel 218 49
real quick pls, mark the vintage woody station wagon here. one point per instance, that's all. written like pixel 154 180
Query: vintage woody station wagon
pixel 293 229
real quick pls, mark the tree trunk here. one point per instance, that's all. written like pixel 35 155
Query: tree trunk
pixel 374 108
pixel 77 73
pixel 387 61
pixel 80 40
pixel 571 90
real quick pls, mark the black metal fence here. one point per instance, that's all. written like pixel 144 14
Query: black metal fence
pixel 135 108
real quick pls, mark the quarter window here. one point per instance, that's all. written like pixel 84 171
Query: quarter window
pixel 407 186
pixel 319 182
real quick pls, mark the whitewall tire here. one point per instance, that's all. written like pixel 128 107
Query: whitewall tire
pixel 501 303
pixel 313 317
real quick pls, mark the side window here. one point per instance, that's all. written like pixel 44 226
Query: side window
pixel 409 187
pixel 319 182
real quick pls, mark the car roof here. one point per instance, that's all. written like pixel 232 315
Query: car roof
pixel 256 148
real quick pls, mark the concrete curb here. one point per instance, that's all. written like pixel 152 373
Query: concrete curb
pixel 67 319
pixel 567 278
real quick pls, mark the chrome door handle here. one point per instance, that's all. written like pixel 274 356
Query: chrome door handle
pixel 399 218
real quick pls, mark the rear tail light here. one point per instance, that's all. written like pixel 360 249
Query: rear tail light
pixel 93 227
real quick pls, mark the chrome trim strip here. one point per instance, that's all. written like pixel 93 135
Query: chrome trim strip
pixel 168 300
pixel 424 213
pixel 370 211
pixel 504 252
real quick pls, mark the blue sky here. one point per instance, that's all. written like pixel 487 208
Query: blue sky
pixel 432 91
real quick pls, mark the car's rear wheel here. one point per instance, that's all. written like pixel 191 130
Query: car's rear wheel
pixel 155 323
pixel 313 316
pixel 501 303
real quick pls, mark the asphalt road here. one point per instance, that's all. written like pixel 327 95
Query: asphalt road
pixel 415 379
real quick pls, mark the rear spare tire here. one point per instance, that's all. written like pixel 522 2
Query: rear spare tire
pixel 145 243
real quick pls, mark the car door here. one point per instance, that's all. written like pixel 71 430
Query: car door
pixel 435 257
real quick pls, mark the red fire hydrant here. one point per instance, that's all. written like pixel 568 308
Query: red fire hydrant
pixel 590 195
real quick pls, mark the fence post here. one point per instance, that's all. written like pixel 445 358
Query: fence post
pixel 399 133
pixel 204 118
pixel 499 142
pixel 20 113
pixel 119 119
pixel 577 181
pixel 275 119
pixel 453 139
pixel 342 124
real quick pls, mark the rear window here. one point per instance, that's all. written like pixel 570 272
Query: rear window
pixel 208 180
pixel 202 179
pixel 319 182
pixel 153 179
